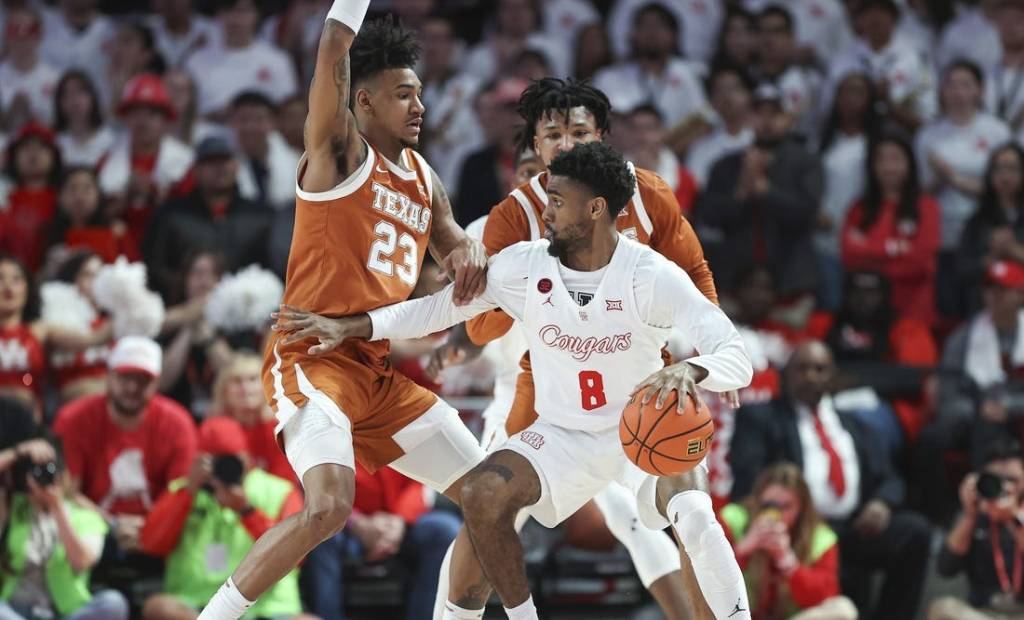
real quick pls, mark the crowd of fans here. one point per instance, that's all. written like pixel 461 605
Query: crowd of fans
pixel 854 170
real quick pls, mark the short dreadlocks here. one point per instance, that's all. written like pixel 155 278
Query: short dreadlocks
pixel 549 95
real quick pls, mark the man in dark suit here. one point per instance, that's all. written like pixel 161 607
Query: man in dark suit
pixel 852 481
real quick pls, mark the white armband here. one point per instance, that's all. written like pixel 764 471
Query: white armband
pixel 349 12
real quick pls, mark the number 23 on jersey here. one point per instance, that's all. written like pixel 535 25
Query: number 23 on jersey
pixel 382 253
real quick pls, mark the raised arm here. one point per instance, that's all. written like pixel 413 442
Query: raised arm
pixel 331 135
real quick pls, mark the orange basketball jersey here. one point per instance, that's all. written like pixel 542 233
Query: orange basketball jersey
pixel 652 217
pixel 360 245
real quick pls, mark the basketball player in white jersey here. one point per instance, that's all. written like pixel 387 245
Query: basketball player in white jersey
pixel 588 360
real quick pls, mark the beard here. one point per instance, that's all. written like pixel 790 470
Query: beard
pixel 558 248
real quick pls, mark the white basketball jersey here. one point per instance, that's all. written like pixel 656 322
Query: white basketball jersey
pixel 587 360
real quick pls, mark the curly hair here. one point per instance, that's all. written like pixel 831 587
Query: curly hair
pixel 546 96
pixel 382 44
pixel 601 169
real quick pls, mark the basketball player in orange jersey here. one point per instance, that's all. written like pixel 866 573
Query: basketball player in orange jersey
pixel 558 115
pixel 368 207
pixel 589 359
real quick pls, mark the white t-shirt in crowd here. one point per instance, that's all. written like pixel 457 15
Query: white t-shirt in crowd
pixel 706 151
pixel 175 49
pixel 820 24
pixel 221 73
pixel 843 164
pixel 1004 94
pixel 966 149
pixel 972 36
pixel 64 48
pixel 677 93
pixel 700 22
pixel 38 85
pixel 89 152
pixel 453 121
pixel 900 64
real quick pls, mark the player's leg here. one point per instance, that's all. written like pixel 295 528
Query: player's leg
pixel 681 500
pixel 655 555
pixel 321 454
pixel 492 496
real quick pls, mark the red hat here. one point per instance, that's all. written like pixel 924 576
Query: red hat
pixel 222 435
pixel 34 129
pixel 146 90
pixel 1006 274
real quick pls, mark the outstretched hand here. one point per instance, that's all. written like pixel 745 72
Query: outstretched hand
pixel 329 333
pixel 682 378
pixel 466 266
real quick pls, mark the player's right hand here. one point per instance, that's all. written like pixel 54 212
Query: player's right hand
pixel 329 333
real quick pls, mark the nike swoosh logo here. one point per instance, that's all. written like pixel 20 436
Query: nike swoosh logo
pixel 381 170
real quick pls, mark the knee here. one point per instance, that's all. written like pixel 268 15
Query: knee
pixel 483 498
pixel 325 514
pixel 669 486
pixel 166 607
pixel 842 608
pixel 112 604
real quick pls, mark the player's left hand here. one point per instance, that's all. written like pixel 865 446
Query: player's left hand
pixel 466 266
pixel 329 333
pixel 682 377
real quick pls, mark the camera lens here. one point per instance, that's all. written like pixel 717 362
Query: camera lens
pixel 990 486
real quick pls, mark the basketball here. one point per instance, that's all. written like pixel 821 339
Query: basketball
pixel 662 441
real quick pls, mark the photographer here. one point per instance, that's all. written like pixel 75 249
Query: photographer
pixel 49 542
pixel 987 540
pixel 789 556
pixel 208 521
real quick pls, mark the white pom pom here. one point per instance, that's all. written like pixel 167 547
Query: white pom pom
pixel 244 301
pixel 64 305
pixel 117 285
pixel 142 316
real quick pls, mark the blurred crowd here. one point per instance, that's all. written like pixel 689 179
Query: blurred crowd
pixel 854 170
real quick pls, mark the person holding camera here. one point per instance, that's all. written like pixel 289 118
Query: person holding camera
pixel 987 540
pixel 209 520
pixel 49 542
pixel 789 555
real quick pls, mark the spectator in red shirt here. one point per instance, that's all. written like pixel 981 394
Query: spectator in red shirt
pixel 238 394
pixel 390 518
pixel 894 229
pixel 82 220
pixel 789 556
pixel 123 448
pixel 27 210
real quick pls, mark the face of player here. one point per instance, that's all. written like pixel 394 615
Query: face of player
pixel 785 501
pixel 570 216
pixel 391 102
pixel 554 134
pixel 130 392
pixel 809 372
pixel 13 289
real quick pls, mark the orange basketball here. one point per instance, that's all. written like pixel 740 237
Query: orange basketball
pixel 662 441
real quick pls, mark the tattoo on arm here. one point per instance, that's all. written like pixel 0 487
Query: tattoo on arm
pixel 505 473
pixel 341 83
